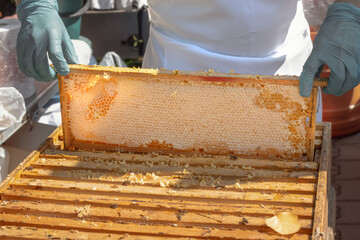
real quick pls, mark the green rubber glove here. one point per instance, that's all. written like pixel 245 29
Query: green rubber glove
pixel 337 45
pixel 42 32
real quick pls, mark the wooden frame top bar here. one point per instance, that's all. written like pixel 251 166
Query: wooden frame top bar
pixel 210 75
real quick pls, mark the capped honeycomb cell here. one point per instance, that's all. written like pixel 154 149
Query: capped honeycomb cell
pixel 143 110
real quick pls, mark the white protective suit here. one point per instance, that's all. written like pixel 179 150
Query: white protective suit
pixel 248 36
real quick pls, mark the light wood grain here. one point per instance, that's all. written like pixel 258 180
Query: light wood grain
pixel 140 216
pixel 121 228
pixel 323 187
pixel 253 208
pixel 191 194
pixel 14 232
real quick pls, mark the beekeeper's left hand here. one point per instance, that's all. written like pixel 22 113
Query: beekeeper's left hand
pixel 42 32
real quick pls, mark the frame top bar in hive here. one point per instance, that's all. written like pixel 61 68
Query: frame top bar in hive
pixel 148 110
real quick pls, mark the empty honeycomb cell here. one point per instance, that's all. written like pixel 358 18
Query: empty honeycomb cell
pixel 101 105
pixel 122 109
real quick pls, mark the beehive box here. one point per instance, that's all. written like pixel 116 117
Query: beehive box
pixel 59 194
pixel 165 191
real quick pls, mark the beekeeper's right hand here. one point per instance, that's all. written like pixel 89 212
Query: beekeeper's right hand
pixel 336 45
pixel 42 32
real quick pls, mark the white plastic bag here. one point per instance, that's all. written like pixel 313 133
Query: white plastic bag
pixel 51 115
pixel 112 59
pixel 130 4
pixel 12 107
pixel 10 74
pixel 4 163
pixel 141 3
pixel 83 51
pixel 102 4
pixel 123 4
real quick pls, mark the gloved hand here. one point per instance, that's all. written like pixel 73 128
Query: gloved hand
pixel 42 31
pixel 337 45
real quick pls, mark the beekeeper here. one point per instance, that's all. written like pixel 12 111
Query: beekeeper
pixel 248 36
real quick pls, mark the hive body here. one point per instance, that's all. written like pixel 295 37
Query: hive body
pixel 56 193
pixel 148 110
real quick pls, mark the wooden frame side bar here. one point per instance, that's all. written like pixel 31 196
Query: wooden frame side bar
pixel 312 123
pixel 320 224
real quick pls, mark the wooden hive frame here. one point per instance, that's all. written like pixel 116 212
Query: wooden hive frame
pixel 286 114
pixel 61 194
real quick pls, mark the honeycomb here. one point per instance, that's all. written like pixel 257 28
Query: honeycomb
pixel 143 110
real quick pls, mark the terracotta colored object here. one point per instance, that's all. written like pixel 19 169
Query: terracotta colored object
pixel 13 16
pixel 342 111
